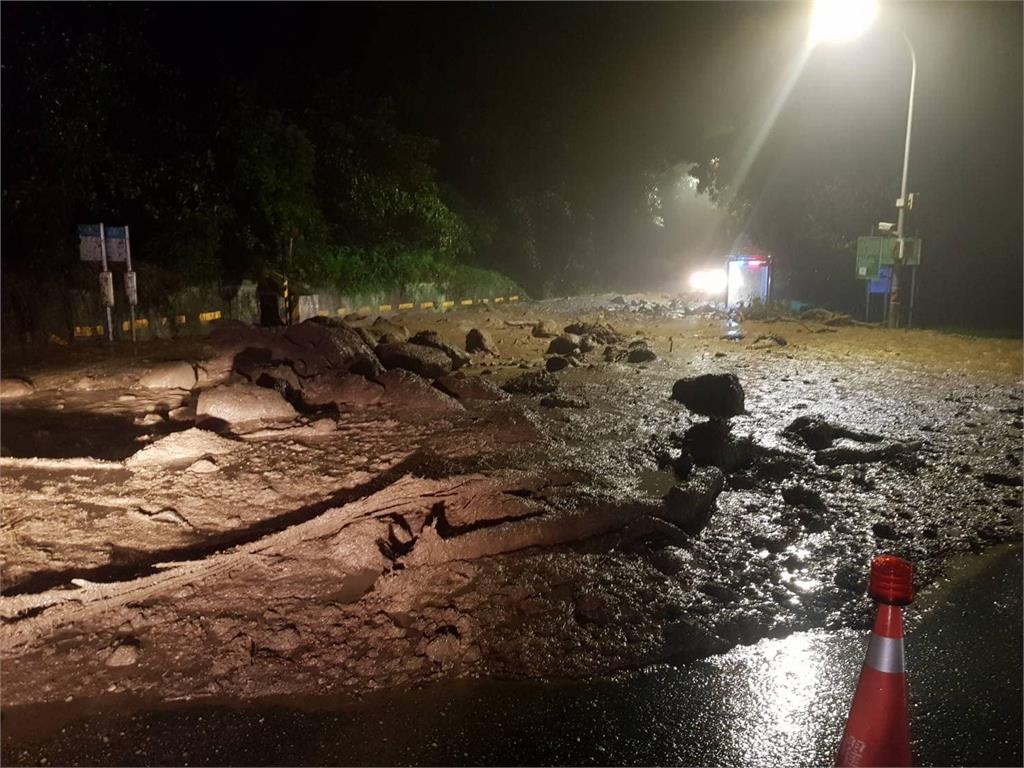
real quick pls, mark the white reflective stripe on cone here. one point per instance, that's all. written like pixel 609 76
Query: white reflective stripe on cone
pixel 885 654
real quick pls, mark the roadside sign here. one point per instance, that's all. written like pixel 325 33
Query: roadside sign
pixel 90 242
pixel 876 252
pixel 117 243
pixel 882 283
pixel 869 251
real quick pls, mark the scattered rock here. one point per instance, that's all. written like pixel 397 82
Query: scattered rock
pixel 690 506
pixel 587 344
pixel 173 375
pixel 480 341
pixel 464 387
pixel 14 388
pixel 639 352
pixel 566 344
pixel 181 448
pixel 534 383
pixel 556 364
pixel 600 332
pixel 563 401
pixel 545 329
pixel 719 395
pixel 242 403
pixel 433 339
pixel 428 362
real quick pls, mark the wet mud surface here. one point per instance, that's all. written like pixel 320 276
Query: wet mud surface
pixel 411 537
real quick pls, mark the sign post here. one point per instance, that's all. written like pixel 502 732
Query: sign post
pixel 120 250
pixel 92 246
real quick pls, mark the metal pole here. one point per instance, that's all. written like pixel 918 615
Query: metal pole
pixel 128 261
pixel 867 301
pixel 103 257
pixel 913 291
pixel 894 298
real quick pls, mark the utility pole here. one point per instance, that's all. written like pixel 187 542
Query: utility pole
pixel 902 203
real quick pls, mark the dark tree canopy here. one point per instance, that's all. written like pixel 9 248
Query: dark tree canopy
pixel 556 143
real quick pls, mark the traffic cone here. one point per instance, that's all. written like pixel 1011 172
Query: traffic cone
pixel 878 729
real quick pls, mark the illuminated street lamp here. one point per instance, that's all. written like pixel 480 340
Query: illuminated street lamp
pixel 839 21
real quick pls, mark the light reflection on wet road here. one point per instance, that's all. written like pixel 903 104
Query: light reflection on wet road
pixel 778 702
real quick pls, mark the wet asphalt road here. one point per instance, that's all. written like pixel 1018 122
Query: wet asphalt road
pixel 778 702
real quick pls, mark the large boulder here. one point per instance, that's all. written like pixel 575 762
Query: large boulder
pixel 464 387
pixel 690 506
pixel 11 389
pixel 325 344
pixel 174 375
pixel 433 339
pixel 243 403
pixel 533 383
pixel 427 362
pixel 480 341
pixel 382 326
pixel 404 390
pixel 718 395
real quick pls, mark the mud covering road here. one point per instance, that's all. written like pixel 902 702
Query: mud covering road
pixel 347 507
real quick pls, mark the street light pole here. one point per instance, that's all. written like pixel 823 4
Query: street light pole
pixel 901 204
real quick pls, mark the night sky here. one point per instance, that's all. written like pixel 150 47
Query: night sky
pixel 598 91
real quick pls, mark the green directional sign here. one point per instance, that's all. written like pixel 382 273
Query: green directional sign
pixel 869 251
pixel 876 252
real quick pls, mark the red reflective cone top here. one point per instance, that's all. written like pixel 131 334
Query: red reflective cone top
pixel 892 580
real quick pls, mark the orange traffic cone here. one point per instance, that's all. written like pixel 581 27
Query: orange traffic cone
pixel 878 729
